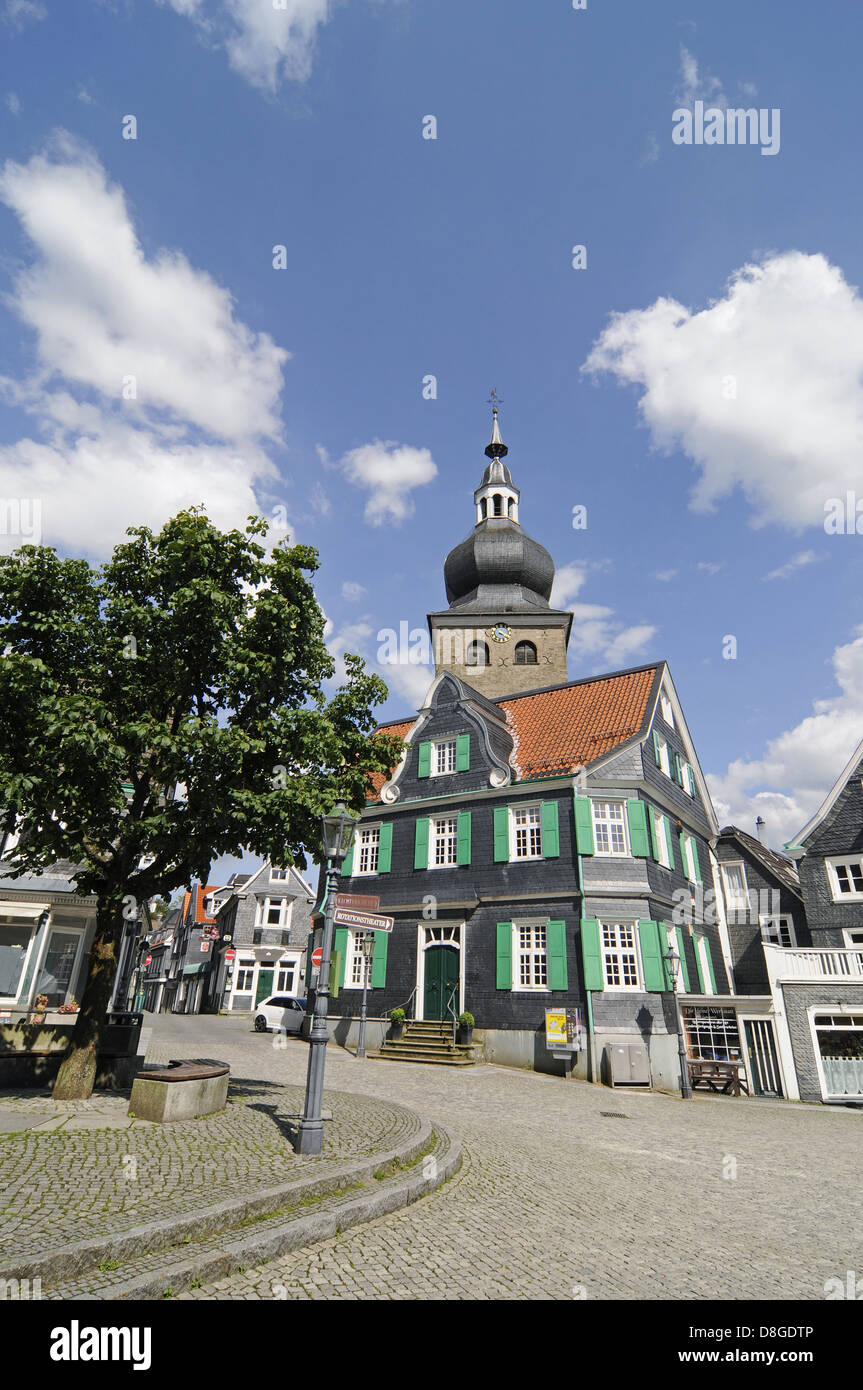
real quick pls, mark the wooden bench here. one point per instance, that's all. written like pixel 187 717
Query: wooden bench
pixel 723 1078
pixel 180 1091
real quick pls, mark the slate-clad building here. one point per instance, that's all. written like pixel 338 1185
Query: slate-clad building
pixel 540 844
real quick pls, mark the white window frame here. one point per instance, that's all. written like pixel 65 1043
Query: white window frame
pixel 666 856
pixel 53 926
pixel 450 835
pixel 615 949
pixel 244 968
pixel 849 934
pixel 514 812
pixel 837 862
pixel 677 947
pixel 364 833
pixel 666 710
pixel 734 905
pixel 286 968
pixel 688 778
pixel 31 946
pixel 601 820
pixel 354 958
pixel 664 756
pixel 689 851
pixel 781 920
pixel 532 952
pixel 278 875
pixel 285 905
pixel 437 749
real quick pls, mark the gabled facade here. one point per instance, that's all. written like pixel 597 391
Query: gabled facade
pixel 821 986
pixel 265 919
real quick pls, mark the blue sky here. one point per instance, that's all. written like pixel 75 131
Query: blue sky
pixel 704 428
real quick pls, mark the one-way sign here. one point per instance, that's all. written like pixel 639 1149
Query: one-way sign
pixel 368 921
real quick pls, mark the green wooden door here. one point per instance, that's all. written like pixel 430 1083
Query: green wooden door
pixel 265 985
pixel 441 967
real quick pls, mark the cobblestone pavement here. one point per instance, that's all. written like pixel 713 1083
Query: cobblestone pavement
pixel 561 1198
pixel 74 1169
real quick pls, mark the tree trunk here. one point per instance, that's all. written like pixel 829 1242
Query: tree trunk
pixel 77 1074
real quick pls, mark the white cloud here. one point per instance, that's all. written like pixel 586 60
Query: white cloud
pixel 264 44
pixel 651 150
pixel 84 96
pixel 13 102
pixel 352 591
pixel 319 500
pixel 389 472
pixel 102 311
pixel 207 387
pixel 696 86
pixel 598 637
pixel 665 575
pixel 797 562
pixel 17 13
pixel 569 580
pixel 789 781
pixel 763 389
pixel 709 566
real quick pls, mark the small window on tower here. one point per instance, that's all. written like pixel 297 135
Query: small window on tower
pixel 498 504
pixel 477 654
pixel 483 508
pixel 511 506
pixel 525 654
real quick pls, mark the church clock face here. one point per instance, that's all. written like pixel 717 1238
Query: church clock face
pixel 500 632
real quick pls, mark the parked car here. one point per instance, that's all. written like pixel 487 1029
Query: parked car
pixel 280 1011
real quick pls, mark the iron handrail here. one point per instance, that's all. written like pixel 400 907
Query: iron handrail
pixel 453 1012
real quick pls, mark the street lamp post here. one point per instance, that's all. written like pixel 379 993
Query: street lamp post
pixel 338 830
pixel 672 960
pixel 368 947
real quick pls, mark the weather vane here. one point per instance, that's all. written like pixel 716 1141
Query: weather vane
pixel 494 399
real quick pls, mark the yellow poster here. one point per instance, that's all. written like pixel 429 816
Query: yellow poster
pixel 555 1028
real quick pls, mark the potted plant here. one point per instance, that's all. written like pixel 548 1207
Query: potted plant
pixel 69 1008
pixel 40 1007
pixel 465 1028
pixel 397 1024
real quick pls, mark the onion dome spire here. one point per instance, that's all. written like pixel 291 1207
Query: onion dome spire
pixel 495 449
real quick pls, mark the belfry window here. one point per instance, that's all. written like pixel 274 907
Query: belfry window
pixel 525 654
pixel 498 504
pixel 483 508
pixel 477 654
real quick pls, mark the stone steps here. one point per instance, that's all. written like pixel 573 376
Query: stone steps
pixel 430 1043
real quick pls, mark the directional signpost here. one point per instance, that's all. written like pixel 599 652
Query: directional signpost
pixel 357 910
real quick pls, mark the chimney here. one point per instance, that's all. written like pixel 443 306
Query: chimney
pixel 761 830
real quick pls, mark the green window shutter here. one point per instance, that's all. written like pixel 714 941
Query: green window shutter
pixel 550 832
pixel 698 967
pixel 693 854
pixel 669 839
pixel 385 849
pixel 504 955
pixel 340 947
pixel 636 812
pixel 684 968
pixel 424 759
pixel 583 825
pixel 657 756
pixel 501 834
pixel 379 959
pixel 690 778
pixel 655 829
pixel 591 955
pixel 462 753
pixel 677 768
pixel 651 957
pixel 464 837
pixel 556 940
pixel 348 863
pixel 421 844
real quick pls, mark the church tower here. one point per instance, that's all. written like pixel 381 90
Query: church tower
pixel 499 633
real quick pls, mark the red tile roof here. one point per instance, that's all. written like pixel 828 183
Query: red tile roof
pixel 572 725
pixel 568 726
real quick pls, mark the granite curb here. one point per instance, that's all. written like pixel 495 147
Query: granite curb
pixel 233 1251
pixel 72 1260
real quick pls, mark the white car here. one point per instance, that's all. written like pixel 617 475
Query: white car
pixel 281 1011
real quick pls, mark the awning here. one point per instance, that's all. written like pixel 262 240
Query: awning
pixel 29 909
pixel 195 969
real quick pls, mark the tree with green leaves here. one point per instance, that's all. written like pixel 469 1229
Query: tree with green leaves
pixel 163 710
